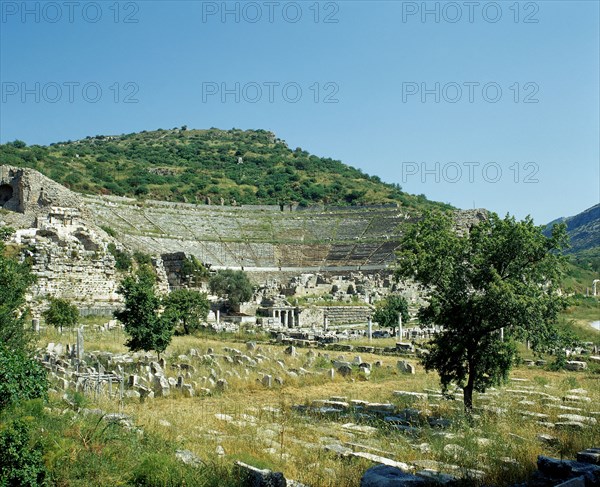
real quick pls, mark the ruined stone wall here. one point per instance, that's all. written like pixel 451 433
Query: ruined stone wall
pixel 341 315
pixel 30 194
pixel 314 316
pixel 61 233
pixel 56 233
pixel 73 266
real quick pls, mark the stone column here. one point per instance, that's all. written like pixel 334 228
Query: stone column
pixel 285 318
pixel 370 329
pixel 292 319
pixel 79 350
pixel 501 334
pixel 218 315
pixel 399 326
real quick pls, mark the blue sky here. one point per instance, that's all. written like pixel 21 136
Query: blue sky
pixel 493 105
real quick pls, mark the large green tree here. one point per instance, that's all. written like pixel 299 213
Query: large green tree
pixel 147 328
pixel 187 308
pixel 61 313
pixel 231 285
pixel 21 376
pixel 16 279
pixel 387 312
pixel 487 287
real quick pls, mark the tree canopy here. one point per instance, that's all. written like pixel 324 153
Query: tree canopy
pixel 147 328
pixel 501 274
pixel 232 285
pixel 21 376
pixel 61 313
pixel 387 311
pixel 188 308
pixel 16 279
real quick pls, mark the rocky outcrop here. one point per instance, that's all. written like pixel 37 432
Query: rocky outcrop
pixel 56 234
pixel 31 195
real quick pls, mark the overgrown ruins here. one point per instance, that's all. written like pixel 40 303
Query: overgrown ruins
pixel 285 251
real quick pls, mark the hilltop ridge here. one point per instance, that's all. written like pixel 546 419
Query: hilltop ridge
pixel 210 166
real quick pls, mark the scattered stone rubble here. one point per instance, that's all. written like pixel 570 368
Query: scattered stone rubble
pixel 585 472
pixel 141 377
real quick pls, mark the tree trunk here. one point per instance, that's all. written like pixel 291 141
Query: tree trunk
pixel 468 396
pixel 468 389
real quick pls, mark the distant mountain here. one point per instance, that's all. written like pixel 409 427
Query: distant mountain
pixel 228 167
pixel 583 229
pixel 584 233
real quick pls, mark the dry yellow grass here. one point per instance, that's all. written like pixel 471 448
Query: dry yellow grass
pixel 258 425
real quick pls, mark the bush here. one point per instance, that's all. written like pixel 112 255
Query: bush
pixel 193 271
pixel 109 230
pixel 21 463
pixel 61 313
pixel 21 377
pixel 141 258
pixel 122 258
pixel 232 285
pixel 160 470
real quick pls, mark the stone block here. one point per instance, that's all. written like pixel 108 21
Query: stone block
pixel 591 455
pixel 387 476
pixel 256 477
pixel 345 370
pixel 575 365
pixel 405 367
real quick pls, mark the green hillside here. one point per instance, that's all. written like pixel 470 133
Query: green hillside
pixel 584 235
pixel 242 167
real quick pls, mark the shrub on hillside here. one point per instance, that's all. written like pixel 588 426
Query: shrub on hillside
pixel 21 462
pixel 21 377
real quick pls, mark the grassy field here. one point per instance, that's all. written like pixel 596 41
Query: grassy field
pixel 578 318
pixel 258 425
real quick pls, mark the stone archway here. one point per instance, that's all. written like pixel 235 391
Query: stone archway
pixel 6 193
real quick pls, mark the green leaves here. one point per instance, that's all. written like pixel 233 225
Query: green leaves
pixel 232 285
pixel 16 279
pixel 193 271
pixel 61 313
pixel 122 257
pixel 147 329
pixel 187 308
pixel 21 377
pixel 387 313
pixel 21 463
pixel 498 274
